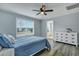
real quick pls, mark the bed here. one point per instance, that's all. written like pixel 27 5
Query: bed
pixel 25 45
pixel 28 46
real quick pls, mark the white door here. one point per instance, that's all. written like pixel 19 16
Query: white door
pixel 50 29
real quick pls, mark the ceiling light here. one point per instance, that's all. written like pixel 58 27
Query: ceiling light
pixel 42 13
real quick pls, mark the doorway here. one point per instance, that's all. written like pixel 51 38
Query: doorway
pixel 50 29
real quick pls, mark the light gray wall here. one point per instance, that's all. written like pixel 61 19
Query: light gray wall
pixel 7 23
pixel 67 21
pixel 43 28
pixel 37 27
pixel 62 22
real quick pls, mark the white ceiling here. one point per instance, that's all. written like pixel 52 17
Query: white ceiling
pixel 26 9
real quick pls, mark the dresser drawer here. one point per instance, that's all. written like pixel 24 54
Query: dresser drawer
pixel 73 42
pixel 73 34
pixel 66 41
pixel 75 39
pixel 59 34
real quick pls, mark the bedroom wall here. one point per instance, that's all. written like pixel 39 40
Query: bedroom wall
pixel 62 22
pixel 67 21
pixel 37 27
pixel 43 28
pixel 8 23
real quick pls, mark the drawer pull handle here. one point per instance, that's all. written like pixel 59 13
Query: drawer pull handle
pixel 66 34
pixel 61 34
pixel 66 40
pixel 73 35
pixel 66 37
pixel 61 37
pixel 72 41
pixel 72 38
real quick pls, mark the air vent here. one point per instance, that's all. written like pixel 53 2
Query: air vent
pixel 72 6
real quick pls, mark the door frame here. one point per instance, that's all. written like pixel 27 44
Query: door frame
pixel 52 27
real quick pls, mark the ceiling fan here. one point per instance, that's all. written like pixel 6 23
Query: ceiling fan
pixel 43 10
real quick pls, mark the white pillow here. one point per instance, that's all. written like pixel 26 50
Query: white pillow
pixel 0 47
pixel 10 38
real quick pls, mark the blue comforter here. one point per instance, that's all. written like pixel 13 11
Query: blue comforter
pixel 25 46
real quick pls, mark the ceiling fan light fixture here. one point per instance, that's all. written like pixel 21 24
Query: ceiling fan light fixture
pixel 42 13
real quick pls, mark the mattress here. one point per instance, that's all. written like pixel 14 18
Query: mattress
pixel 26 46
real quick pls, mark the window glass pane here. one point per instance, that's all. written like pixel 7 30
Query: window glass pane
pixel 24 27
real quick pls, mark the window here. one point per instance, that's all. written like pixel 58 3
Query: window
pixel 24 27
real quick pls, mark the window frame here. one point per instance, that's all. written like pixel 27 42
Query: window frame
pixel 25 19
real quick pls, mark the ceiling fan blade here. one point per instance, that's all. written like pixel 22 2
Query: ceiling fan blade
pixel 37 13
pixel 37 10
pixel 45 14
pixel 48 10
